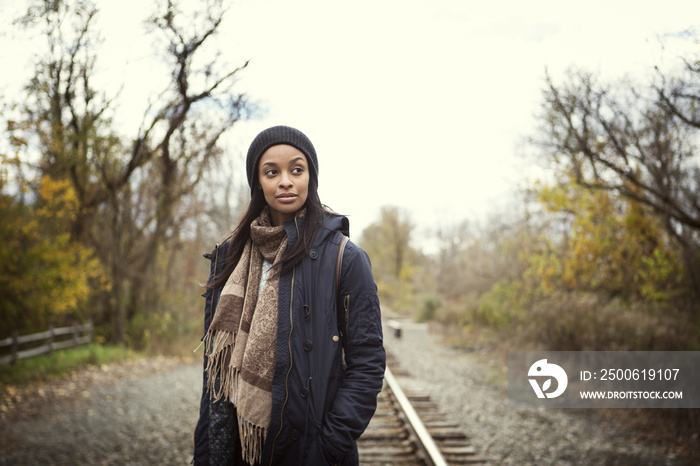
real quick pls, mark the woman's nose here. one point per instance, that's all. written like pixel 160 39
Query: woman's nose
pixel 285 181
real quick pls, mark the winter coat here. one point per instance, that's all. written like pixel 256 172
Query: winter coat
pixel 330 360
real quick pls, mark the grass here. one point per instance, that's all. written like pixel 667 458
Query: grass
pixel 61 362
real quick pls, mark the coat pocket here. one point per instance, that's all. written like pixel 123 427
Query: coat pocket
pixel 317 455
pixel 344 319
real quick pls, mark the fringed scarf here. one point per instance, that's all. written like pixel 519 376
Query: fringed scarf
pixel 241 344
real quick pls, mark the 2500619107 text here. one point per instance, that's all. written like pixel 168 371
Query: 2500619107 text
pixel 632 374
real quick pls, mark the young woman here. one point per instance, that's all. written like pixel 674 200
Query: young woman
pixel 293 365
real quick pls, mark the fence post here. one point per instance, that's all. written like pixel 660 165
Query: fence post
pixel 15 346
pixel 75 334
pixel 90 330
pixel 50 338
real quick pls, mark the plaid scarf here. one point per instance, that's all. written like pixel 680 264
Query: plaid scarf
pixel 241 344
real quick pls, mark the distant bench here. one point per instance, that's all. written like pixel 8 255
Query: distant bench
pixel 398 327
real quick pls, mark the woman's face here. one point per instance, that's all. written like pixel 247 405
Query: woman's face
pixel 283 173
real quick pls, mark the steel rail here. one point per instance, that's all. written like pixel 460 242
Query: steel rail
pixel 416 424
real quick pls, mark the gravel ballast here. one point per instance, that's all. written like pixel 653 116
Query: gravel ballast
pixel 144 412
pixel 136 413
pixel 472 391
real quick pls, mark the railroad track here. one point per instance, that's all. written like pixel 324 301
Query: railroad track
pixel 409 429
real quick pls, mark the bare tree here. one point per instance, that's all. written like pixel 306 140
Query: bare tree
pixel 632 140
pixel 389 241
pixel 132 191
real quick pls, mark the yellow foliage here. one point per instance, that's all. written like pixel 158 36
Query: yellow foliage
pixel 387 242
pixel 58 200
pixel 612 244
pixel 42 271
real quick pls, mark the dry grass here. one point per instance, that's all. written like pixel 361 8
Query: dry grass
pixel 580 322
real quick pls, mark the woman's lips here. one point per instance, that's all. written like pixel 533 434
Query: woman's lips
pixel 287 198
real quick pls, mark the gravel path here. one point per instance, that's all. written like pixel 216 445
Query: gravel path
pixel 144 412
pixel 139 413
pixel 474 394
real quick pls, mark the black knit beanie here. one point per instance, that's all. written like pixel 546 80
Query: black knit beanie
pixel 279 135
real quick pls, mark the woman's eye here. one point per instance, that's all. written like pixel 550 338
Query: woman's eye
pixel 297 170
pixel 271 172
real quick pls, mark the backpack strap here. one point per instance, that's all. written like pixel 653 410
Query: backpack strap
pixel 339 264
pixel 340 310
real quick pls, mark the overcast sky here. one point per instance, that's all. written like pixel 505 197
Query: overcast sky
pixel 422 104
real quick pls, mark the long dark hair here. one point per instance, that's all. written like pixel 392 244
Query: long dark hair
pixel 313 220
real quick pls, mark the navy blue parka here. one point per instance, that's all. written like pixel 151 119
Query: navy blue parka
pixel 330 359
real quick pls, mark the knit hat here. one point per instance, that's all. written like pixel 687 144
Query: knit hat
pixel 275 136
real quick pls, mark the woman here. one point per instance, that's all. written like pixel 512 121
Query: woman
pixel 293 365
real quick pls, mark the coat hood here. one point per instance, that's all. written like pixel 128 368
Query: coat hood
pixel 331 224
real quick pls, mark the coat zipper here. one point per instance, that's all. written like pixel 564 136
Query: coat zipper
pixel 291 362
pixel 286 377
pixel 216 258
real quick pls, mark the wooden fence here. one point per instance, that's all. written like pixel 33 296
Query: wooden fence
pixel 79 334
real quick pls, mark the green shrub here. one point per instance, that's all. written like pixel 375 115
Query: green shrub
pixel 500 307
pixel 431 303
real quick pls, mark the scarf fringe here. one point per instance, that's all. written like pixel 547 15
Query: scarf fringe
pixel 258 309
pixel 252 439
pixel 218 348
